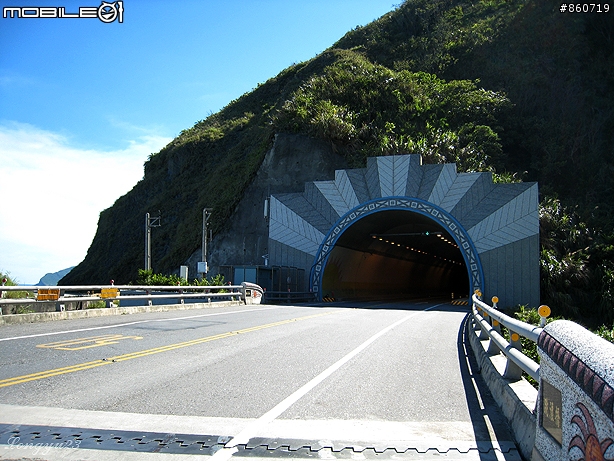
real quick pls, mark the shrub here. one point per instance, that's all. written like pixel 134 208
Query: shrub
pixel 367 109
pixel 10 282
pixel 147 277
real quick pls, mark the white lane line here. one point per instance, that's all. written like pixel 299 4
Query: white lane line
pixel 138 322
pixel 254 427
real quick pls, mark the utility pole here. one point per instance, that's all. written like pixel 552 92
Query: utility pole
pixel 203 268
pixel 149 223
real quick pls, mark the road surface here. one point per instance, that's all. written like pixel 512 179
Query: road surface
pixel 353 380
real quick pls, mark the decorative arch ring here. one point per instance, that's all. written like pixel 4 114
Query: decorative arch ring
pixel 415 205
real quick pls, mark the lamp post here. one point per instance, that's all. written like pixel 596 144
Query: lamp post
pixel 203 267
pixel 149 223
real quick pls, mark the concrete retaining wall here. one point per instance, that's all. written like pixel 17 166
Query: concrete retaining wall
pixel 87 313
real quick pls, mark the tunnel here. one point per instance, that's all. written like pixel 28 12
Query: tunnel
pixel 395 254
pixel 332 232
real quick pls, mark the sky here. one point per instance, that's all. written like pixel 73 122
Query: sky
pixel 83 102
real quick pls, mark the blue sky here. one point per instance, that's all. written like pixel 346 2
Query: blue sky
pixel 83 103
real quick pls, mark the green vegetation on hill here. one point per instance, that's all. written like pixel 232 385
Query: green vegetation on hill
pixel 366 110
pixel 554 68
pixel 577 265
pixel 510 86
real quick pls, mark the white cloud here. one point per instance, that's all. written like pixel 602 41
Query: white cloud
pixel 51 195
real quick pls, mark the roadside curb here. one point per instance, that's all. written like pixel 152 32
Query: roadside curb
pixel 36 317
pixel 514 398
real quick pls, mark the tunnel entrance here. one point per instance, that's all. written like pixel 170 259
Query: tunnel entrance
pixel 328 231
pixel 394 254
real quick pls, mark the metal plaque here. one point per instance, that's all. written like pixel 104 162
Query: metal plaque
pixel 551 411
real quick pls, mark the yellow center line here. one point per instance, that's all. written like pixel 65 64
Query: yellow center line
pixel 133 355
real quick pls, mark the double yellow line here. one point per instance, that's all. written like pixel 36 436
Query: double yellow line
pixel 135 355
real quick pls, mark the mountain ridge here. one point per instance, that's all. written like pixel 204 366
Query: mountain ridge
pixel 52 278
pixel 540 110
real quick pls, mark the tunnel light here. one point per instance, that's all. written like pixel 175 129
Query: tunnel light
pixel 416 250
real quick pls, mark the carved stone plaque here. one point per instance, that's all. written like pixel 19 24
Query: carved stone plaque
pixel 551 411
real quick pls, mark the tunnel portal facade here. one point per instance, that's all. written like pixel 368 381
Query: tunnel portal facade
pixel 398 227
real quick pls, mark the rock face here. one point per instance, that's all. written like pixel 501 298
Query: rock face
pixel 290 163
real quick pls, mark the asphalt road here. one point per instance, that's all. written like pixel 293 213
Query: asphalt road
pixel 329 381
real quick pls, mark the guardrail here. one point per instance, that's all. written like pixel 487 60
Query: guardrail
pixel 503 363
pixel 489 319
pixel 571 415
pixel 110 293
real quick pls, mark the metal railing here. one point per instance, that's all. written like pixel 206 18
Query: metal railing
pixel 110 293
pixel 490 320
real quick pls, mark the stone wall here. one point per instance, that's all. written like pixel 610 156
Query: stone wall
pixel 575 413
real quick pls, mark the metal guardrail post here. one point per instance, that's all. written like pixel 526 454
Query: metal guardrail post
pixel 243 291
pixel 513 371
pixel 483 333
pixel 544 312
pixel 493 349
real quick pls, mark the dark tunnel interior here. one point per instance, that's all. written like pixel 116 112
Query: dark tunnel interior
pixel 395 254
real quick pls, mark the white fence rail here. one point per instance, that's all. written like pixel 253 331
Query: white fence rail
pixel 489 319
pixel 111 293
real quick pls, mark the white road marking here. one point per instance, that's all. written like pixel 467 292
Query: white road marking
pixel 138 322
pixel 254 427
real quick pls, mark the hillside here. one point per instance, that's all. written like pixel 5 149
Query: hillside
pixel 510 86
pixel 52 278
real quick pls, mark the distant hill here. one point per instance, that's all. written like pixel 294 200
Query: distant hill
pixel 510 86
pixel 52 279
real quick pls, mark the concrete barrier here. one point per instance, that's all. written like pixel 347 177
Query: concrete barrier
pixel 515 398
pixel 575 411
